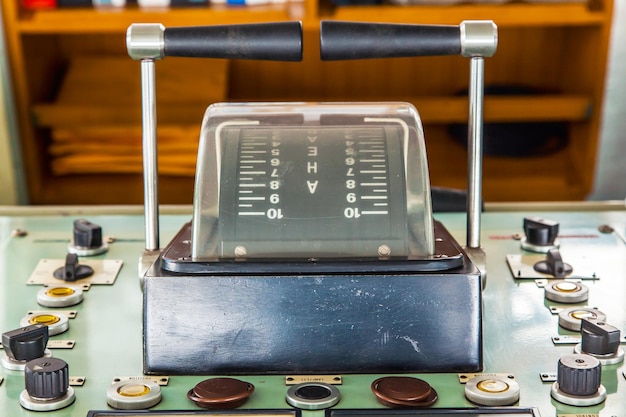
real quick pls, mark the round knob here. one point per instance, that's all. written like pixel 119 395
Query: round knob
pixel 46 378
pixel 579 375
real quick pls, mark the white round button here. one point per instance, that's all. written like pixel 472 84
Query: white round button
pixel 134 394
pixel 59 296
pixel 492 390
pixel 57 323
pixel 570 318
pixel 563 291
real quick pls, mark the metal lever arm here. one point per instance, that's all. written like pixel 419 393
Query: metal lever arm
pixel 355 40
pixel 475 39
pixel 280 41
pixel 151 41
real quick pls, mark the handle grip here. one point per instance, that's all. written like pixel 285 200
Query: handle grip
pixel 280 41
pixel 267 41
pixel 353 40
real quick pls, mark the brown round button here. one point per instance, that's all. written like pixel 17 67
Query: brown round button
pixel 220 393
pixel 403 391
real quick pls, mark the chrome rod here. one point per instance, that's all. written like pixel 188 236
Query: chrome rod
pixel 149 144
pixel 144 42
pixel 475 150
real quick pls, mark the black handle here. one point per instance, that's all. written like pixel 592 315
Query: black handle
pixel 268 41
pixel 352 40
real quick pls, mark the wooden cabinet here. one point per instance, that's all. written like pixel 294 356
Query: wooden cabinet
pixel 77 93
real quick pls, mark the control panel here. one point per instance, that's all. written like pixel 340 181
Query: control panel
pixel 552 323
pixel 313 278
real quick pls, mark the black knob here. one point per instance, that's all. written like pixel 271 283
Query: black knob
pixel 72 270
pixel 599 337
pixel 86 234
pixel 26 343
pixel 47 378
pixel 579 375
pixel 540 232
pixel 553 265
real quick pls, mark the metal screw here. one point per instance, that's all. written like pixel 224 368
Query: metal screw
pixel 384 250
pixel 240 251
pixel 605 228
pixel 19 233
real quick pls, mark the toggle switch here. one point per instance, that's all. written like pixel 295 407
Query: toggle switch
pixel 600 340
pixel 403 391
pixel 313 396
pixel 578 381
pixel 47 384
pixel 87 239
pixel 553 265
pixel 220 393
pixel 23 345
pixel 541 234
pixel 72 270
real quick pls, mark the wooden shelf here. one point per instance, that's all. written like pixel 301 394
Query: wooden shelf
pixel 85 21
pixel 82 21
pixel 75 85
pixel 538 178
pixel 106 189
pixel 97 91
pixel 431 110
pixel 542 108
pixel 505 15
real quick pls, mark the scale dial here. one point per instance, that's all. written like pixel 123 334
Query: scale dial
pixel 312 182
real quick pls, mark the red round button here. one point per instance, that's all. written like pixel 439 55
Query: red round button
pixel 220 393
pixel 403 391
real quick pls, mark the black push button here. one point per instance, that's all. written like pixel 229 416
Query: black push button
pixel 313 396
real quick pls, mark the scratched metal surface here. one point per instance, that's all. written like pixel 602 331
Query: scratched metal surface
pixel 518 325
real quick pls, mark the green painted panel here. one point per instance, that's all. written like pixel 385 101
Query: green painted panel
pixel 518 326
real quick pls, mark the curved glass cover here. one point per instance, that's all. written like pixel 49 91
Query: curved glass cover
pixel 312 181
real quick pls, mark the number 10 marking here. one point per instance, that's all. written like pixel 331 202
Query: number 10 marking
pixel 352 213
pixel 275 213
